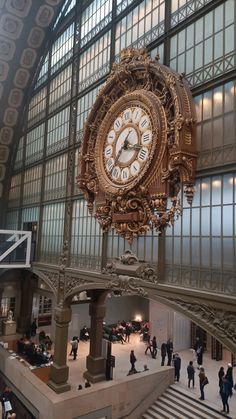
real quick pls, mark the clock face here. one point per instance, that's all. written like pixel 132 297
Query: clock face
pixel 127 145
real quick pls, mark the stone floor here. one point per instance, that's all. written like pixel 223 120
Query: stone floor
pixel 121 353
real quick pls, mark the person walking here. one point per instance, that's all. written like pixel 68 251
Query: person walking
pixel 191 374
pixel 74 347
pixel 154 347
pixel 149 345
pixel 169 350
pixel 132 361
pixel 199 354
pixel 225 393
pixel 229 376
pixel 202 382
pixel 177 366
pixel 221 374
pixel 163 354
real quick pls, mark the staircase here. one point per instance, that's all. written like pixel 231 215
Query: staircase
pixel 175 404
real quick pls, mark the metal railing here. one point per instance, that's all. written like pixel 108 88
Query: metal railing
pixel 15 248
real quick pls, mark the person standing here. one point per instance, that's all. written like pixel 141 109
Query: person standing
pixel 199 354
pixel 33 328
pixel 169 350
pixel 177 366
pixel 221 374
pixel 149 346
pixel 225 393
pixel 74 347
pixel 127 332
pixel 191 373
pixel 163 354
pixel 229 376
pixel 132 361
pixel 202 382
pixel 154 347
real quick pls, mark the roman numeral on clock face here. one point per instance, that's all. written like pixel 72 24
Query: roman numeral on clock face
pixel 125 174
pixel 144 123
pixel 108 151
pixel 118 124
pixel 143 154
pixel 116 172
pixel 110 164
pixel 134 168
pixel 147 137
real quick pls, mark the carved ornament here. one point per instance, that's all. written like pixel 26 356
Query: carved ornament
pixel 223 321
pixel 139 147
pixel 127 285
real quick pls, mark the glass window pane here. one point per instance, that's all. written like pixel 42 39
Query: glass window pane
pixel 216 221
pixel 205 221
pixel 227 220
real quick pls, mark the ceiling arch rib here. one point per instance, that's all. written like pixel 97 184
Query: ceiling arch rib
pixel 24 29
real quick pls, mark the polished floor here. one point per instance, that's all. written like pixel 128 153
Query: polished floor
pixel 122 366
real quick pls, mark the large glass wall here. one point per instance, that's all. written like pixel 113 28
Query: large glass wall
pixel 192 37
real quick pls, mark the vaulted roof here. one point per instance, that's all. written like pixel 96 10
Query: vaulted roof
pixel 25 27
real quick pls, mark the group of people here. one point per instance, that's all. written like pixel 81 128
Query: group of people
pixel 6 401
pixel 166 349
pixel 226 385
pixel 122 331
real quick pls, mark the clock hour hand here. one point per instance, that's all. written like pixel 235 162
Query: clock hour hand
pixel 126 142
pixel 134 146
pixel 123 147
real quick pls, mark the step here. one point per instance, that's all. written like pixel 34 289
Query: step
pixel 180 393
pixel 183 408
pixel 147 416
pixel 168 412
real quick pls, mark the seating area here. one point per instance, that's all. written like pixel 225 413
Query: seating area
pixel 33 353
pixel 117 332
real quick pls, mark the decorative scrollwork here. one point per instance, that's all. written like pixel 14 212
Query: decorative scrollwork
pixel 51 279
pixel 128 258
pixel 127 285
pixel 223 321
pixel 147 273
pixel 72 283
pixel 132 206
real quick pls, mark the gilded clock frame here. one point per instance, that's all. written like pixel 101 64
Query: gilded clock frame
pixel 133 209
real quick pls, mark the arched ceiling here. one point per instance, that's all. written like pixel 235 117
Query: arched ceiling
pixel 25 27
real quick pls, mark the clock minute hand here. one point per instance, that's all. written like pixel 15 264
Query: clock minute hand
pixel 118 154
pixel 124 146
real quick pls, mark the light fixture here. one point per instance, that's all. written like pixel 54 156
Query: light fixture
pixel 138 318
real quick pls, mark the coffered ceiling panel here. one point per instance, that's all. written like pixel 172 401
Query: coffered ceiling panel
pixel 24 28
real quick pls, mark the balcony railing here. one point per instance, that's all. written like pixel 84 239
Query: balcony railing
pixel 15 249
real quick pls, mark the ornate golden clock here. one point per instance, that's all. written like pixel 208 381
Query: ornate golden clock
pixel 130 137
pixel 138 147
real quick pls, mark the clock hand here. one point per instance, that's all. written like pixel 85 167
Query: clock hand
pixel 134 146
pixel 123 147
pixel 126 143
pixel 118 154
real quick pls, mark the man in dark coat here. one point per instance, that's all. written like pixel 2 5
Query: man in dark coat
pixel 169 350
pixel 225 393
pixel 191 373
pixel 163 354
pixel 154 347
pixel 132 361
pixel 177 366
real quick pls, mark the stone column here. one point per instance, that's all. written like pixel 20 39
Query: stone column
pixel 96 363
pixel 28 285
pixel 59 370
